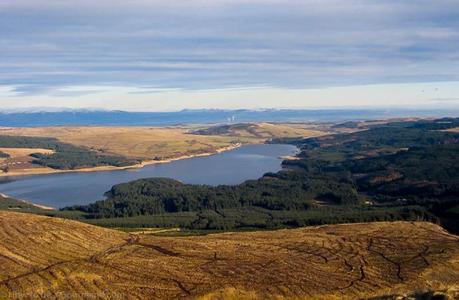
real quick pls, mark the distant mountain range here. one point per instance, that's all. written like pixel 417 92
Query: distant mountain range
pixel 35 118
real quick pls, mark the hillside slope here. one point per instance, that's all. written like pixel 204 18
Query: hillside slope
pixel 261 131
pixel 55 258
pixel 162 142
pixel 138 142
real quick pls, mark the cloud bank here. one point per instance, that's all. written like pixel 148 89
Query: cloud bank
pixel 49 46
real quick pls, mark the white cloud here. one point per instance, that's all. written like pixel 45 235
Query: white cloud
pixel 61 48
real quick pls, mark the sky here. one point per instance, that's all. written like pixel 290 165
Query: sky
pixel 141 55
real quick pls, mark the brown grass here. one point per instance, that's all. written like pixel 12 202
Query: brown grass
pixel 263 131
pixel 151 142
pixel 24 152
pixel 260 132
pixel 54 257
pixel 20 159
pixel 142 142
pixel 455 130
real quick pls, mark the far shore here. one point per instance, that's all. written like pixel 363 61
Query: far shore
pixel 45 170
pixel 3 196
pixel 290 157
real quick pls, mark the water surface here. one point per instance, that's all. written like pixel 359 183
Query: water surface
pixel 230 167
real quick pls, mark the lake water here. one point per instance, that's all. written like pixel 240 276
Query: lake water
pixel 230 167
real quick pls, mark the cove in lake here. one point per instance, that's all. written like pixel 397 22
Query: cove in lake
pixel 230 167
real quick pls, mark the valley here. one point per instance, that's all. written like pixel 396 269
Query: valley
pixel 368 212
pixel 229 150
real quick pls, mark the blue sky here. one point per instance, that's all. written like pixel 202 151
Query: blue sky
pixel 169 55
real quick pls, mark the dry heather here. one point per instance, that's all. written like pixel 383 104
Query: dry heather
pixel 55 258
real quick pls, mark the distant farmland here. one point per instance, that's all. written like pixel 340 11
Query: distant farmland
pixel 162 142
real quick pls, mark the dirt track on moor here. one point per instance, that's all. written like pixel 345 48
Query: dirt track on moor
pixel 53 258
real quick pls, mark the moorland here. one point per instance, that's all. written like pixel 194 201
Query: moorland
pixel 52 258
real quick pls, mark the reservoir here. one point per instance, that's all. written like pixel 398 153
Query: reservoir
pixel 230 167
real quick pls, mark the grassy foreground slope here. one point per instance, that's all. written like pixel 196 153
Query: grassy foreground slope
pixel 56 258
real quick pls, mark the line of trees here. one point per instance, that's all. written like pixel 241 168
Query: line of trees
pixel 65 156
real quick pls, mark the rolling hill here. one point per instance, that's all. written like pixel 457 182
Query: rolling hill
pixel 43 257
pixel 262 131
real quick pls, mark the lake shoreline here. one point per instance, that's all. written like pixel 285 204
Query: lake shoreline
pixel 44 171
pixel 110 168
pixel 248 162
pixel 44 207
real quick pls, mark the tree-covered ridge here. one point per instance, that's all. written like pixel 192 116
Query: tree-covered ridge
pixel 393 171
pixel 383 139
pixel 273 192
pixel 65 156
pixel 260 218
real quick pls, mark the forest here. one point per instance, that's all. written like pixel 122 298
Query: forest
pixel 394 171
pixel 65 156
